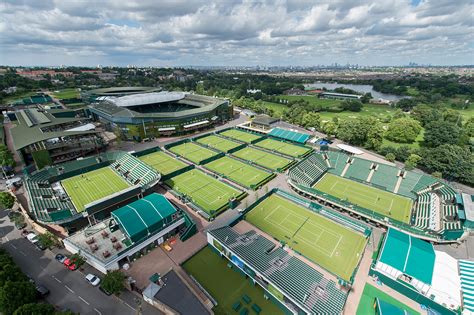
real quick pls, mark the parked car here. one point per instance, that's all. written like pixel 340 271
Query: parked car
pixel 32 237
pixel 93 279
pixel 40 245
pixel 104 291
pixel 20 225
pixel 61 258
pixel 70 264
pixel 12 214
pixel 42 291
pixel 25 233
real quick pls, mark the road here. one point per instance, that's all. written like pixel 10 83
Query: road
pixel 68 289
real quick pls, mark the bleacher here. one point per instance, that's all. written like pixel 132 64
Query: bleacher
pixel 293 277
pixel 424 184
pixel 359 169
pixel 309 170
pixel 423 211
pixel 450 211
pixel 386 176
pixel 447 193
pixel 408 184
pixel 338 161
pixel 134 171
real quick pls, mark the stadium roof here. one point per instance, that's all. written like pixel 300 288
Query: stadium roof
pixel 146 98
pixel 25 134
pixel 144 216
pixel 290 275
pixel 409 255
pixel 466 272
pixel 264 120
pixel 350 149
pixel 289 135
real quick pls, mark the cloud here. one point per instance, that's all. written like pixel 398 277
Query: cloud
pixel 235 32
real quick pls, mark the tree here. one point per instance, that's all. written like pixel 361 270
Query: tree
pixel 437 174
pixel 6 199
pixel 114 282
pixel 403 130
pixel 406 104
pixel 311 120
pixel 48 239
pixel 375 137
pixel 35 309
pixel 329 128
pixel 355 131
pixel 15 294
pixel 390 157
pixel 425 114
pixel 441 132
pixel 352 105
pixel 412 161
pixel 453 116
pixel 78 259
pixel 6 157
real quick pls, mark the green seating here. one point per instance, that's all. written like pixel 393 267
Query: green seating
pixel 246 298
pixel 236 306
pixel 256 308
pixel 244 311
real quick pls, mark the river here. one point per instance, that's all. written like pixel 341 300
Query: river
pixel 361 88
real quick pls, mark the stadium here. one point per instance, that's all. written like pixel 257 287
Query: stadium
pixel 142 115
pixel 92 96
pixel 381 193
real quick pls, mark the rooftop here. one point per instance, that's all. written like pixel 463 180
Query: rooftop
pixel 146 98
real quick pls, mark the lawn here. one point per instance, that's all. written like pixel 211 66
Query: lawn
pixel 225 285
pixel 218 143
pixel 366 304
pixel 313 100
pixel 335 247
pixel 263 158
pixel 240 172
pixel 193 152
pixel 243 136
pixel 92 186
pixel 162 162
pixel 66 93
pixel 385 203
pixel 283 147
pixel 206 192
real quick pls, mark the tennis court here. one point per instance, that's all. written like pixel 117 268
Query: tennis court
pixel 243 136
pixel 334 247
pixel 240 172
pixel 263 158
pixel 193 152
pixel 162 162
pixel 218 143
pixel 92 186
pixel 383 202
pixel 283 147
pixel 205 191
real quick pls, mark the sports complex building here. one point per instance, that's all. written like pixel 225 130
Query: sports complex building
pixel 152 114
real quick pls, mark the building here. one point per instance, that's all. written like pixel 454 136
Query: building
pixel 146 115
pixel 92 96
pixel 339 96
pixel 50 137
pixel 132 229
pixel 412 267
pixel 263 122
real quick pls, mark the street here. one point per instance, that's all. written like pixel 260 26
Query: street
pixel 68 289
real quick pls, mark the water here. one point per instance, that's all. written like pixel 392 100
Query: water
pixel 361 88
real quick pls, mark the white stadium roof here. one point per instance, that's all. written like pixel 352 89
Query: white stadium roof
pixel 146 98
pixel 349 149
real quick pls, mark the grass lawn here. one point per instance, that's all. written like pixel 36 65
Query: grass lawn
pixel 243 136
pixel 283 147
pixel 13 98
pixel 366 304
pixel 93 186
pixel 240 172
pixel 66 93
pixel 162 162
pixel 333 246
pixel 193 152
pixel 225 285
pixel 263 158
pixel 218 143
pixel 380 201
pixel 313 100
pixel 208 193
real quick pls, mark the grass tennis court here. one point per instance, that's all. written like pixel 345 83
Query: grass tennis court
pixel 226 285
pixel 333 246
pixel 283 147
pixel 162 162
pixel 366 304
pixel 263 158
pixel 205 191
pixel 243 136
pixel 383 202
pixel 93 186
pixel 193 152
pixel 218 143
pixel 240 172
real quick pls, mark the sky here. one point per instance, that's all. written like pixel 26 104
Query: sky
pixel 236 33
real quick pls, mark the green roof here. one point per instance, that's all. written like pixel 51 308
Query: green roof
pixel 409 255
pixel 289 135
pixel 144 216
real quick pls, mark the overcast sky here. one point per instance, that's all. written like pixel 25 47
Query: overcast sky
pixel 186 32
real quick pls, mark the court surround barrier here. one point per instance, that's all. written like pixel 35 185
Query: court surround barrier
pixel 240 147
pixel 310 150
pixel 218 155
pixel 241 129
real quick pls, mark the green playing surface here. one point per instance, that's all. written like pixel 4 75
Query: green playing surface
pixel 193 152
pixel 218 143
pixel 283 147
pixel 263 158
pixel 240 135
pixel 205 191
pixel 383 202
pixel 333 246
pixel 238 171
pixel 162 162
pixel 92 186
